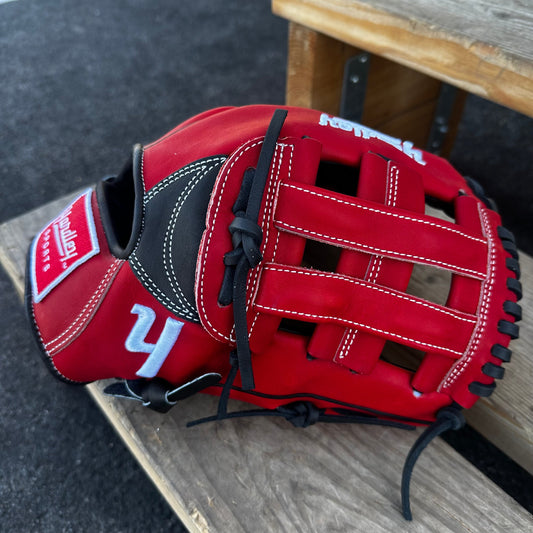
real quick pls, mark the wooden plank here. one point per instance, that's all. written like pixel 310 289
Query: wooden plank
pixel 484 46
pixel 399 101
pixel 314 69
pixel 264 475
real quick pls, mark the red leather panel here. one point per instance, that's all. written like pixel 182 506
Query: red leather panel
pixel 315 296
pixel 386 389
pixel 296 160
pixel 490 311
pixel 388 183
pixel 464 296
pixel 366 226
pixel 382 232
pixel 98 356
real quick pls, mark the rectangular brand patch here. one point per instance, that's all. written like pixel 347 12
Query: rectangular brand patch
pixel 63 245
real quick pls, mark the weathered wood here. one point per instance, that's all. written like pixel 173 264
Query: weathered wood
pixel 314 69
pixel 265 475
pixel 399 101
pixel 483 46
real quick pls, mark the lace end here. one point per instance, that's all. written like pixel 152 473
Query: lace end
pixel 447 418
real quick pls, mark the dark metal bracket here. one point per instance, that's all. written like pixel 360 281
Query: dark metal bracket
pixel 354 87
pixel 441 121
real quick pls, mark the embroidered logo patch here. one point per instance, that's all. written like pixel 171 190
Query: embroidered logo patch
pixel 67 242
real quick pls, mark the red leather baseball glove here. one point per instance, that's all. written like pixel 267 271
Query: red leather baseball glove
pixel 264 254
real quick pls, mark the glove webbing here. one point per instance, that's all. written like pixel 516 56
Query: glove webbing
pixel 246 237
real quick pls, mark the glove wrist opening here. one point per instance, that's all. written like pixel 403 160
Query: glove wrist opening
pixel 120 203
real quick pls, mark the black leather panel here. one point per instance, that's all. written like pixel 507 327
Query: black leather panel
pixel 174 221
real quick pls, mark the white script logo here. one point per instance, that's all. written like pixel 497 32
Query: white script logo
pixel 366 133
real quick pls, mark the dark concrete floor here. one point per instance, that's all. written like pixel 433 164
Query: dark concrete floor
pixel 81 82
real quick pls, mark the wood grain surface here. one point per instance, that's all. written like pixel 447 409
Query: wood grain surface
pixel 264 475
pixel 398 101
pixel 483 46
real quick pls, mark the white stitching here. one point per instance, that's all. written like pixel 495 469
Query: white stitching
pixel 85 313
pixel 357 324
pixel 350 334
pixel 265 219
pixel 377 261
pixel 179 174
pixel 379 288
pixel 392 182
pixel 347 342
pixel 167 253
pixel 486 296
pixel 201 271
pixel 159 294
pixel 50 358
pixel 272 195
pixel 379 251
pixel 87 309
pixel 188 311
pixel 387 213
pixel 392 201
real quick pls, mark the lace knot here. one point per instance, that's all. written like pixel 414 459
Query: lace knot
pixel 300 414
pixel 456 417
pixel 247 236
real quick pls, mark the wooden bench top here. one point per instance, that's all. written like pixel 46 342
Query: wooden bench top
pixel 482 46
pixel 262 474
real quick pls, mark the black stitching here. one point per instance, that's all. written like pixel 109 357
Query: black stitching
pixel 513 309
pixel 501 352
pixel 493 371
pixel 481 389
pixel 508 328
pixel 515 286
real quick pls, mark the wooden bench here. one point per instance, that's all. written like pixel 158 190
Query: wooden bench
pixel 483 47
pixel 262 474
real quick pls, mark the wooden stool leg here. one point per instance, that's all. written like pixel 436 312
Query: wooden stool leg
pixel 399 101
pixel 315 69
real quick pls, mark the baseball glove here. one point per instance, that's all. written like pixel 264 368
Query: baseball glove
pixel 265 255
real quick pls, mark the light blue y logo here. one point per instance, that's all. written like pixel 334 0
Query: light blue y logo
pixel 158 351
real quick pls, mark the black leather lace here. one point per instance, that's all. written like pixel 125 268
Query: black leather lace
pixel 246 239
pixel 300 413
pixel 447 418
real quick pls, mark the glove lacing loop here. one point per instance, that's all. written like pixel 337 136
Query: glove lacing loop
pixel 246 238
